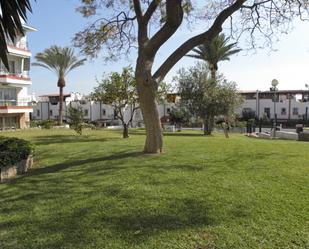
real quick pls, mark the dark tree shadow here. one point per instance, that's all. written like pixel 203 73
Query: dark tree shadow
pixel 54 139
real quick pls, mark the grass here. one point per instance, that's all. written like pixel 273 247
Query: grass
pixel 99 191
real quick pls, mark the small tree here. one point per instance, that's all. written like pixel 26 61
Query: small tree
pixel 179 116
pixel 76 116
pixel 204 98
pixel 119 91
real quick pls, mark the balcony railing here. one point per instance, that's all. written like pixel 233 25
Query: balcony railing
pixel 24 74
pixel 14 102
pixel 19 44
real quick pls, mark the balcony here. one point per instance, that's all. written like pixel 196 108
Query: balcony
pixel 15 106
pixel 19 44
pixel 14 77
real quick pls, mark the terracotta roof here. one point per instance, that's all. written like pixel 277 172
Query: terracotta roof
pixel 55 95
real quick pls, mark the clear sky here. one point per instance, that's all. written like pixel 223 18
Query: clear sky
pixel 57 22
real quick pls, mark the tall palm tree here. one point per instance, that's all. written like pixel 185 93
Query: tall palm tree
pixel 61 61
pixel 10 23
pixel 215 51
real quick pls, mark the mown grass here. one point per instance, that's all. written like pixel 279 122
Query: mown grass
pixel 99 191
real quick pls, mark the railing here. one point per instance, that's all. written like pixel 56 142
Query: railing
pixel 19 44
pixel 13 102
pixel 24 74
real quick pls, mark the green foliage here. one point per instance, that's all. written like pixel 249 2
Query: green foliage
pixel 118 90
pixel 59 60
pixel 76 116
pixel 205 97
pixel 45 124
pixel 11 15
pixel 13 150
pixel 179 116
pixel 215 51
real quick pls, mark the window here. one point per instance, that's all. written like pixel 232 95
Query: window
pixel 38 113
pixel 8 96
pixel 283 111
pixel 295 111
pixel 51 112
pixel 103 112
pixel 168 110
pixel 12 67
pixel 267 112
pixel 86 112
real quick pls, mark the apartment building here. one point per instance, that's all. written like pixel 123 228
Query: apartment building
pixel 15 103
pixel 47 107
pixel 290 104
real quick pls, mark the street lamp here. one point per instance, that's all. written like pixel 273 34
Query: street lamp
pixel 274 84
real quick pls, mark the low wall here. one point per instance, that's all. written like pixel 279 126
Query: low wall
pixel 21 167
pixel 304 136
pixel 287 135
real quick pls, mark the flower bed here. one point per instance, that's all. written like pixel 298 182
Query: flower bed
pixel 15 157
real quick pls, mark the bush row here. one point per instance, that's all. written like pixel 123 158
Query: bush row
pixel 14 150
pixel 45 124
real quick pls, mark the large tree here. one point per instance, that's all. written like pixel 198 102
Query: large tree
pixel 205 99
pixel 214 51
pixel 61 61
pixel 11 15
pixel 126 24
pixel 119 91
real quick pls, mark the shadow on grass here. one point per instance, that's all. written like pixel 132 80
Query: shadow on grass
pixel 53 139
pixel 65 165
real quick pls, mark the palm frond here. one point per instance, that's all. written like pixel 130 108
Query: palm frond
pixel 10 23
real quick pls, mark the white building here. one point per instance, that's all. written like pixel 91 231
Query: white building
pixel 15 103
pixel 47 107
pixel 290 104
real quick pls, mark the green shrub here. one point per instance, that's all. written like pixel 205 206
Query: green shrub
pixel 47 124
pixel 13 150
pixel 76 116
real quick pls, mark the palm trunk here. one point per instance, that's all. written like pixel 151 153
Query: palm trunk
pixel 125 133
pixel 60 117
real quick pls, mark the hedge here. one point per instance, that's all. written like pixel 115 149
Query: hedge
pixel 14 150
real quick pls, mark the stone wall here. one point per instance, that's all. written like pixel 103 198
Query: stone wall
pixel 20 168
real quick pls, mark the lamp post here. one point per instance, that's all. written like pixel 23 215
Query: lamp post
pixel 274 84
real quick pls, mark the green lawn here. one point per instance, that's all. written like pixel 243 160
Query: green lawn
pixel 99 191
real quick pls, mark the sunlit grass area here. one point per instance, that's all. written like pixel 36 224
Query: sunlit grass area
pixel 99 191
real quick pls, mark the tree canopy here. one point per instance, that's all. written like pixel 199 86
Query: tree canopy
pixel 205 99
pixel 148 24
pixel 119 91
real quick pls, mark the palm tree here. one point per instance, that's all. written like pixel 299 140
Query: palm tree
pixel 61 61
pixel 10 22
pixel 215 51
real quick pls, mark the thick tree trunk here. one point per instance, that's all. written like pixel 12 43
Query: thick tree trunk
pixel 148 105
pixel 125 131
pixel 60 117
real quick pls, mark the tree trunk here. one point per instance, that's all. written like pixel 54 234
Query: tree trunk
pixel 125 131
pixel 60 117
pixel 148 105
pixel 208 125
pixel 226 128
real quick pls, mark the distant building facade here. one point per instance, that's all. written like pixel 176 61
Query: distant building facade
pixel 290 104
pixel 15 103
pixel 47 107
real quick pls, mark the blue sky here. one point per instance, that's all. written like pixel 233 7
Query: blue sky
pixel 57 22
